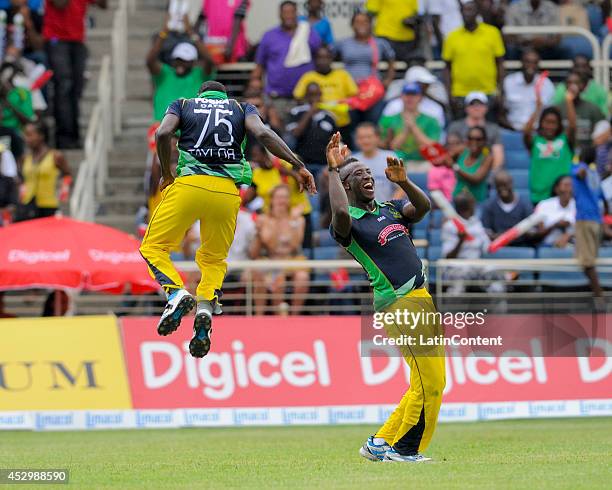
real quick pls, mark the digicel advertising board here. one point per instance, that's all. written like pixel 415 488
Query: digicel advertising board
pixel 317 361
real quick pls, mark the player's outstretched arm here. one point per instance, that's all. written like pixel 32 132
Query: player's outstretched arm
pixel 163 137
pixel 419 204
pixel 341 219
pixel 275 145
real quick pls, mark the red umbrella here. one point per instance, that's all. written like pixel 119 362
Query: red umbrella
pixel 63 253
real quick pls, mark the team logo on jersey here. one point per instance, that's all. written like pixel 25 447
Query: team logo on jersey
pixel 395 213
pixel 383 236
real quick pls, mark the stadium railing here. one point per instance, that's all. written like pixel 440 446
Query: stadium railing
pixel 531 285
pixel 91 176
pixel 104 122
pixel 607 62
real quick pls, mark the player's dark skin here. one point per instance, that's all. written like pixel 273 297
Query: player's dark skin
pixel 268 138
pixel 352 184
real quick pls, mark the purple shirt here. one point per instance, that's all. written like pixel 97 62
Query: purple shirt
pixel 271 54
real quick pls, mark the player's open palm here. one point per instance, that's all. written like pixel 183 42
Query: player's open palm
pixel 336 152
pixel 395 170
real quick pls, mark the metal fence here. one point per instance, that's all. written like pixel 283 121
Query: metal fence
pixel 528 286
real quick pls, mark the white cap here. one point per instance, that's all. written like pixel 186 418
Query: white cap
pixel 601 128
pixel 419 74
pixel 473 96
pixel 185 52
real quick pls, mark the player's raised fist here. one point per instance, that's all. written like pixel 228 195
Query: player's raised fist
pixel 395 170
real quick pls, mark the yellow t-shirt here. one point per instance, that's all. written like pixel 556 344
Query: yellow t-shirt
pixel 266 179
pixel 472 56
pixel 389 17
pixel 336 86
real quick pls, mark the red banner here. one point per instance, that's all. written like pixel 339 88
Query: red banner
pixel 316 361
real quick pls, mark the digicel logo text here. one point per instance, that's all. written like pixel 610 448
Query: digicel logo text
pixel 221 373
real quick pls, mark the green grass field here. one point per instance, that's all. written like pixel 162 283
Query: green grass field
pixel 568 453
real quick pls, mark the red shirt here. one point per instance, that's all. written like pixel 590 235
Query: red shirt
pixel 67 24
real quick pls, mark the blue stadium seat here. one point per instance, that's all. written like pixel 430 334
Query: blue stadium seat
pixel 423 224
pixel 512 140
pixel 558 278
pixel 419 179
pixel 605 278
pixel 434 236
pixel 315 219
pixel 596 20
pixel 524 193
pixel 314 201
pixel 515 253
pixel 326 253
pixel 325 239
pixel 433 253
pixel 512 253
pixel 436 218
pixel 419 234
pixel 517 159
pixel 521 178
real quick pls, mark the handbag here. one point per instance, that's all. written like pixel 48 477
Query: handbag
pixel 370 89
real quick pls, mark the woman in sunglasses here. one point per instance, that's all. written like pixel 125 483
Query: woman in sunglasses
pixel 473 166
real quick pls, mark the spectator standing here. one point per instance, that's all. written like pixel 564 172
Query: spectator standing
pixel 283 56
pixel 520 91
pixel 31 43
pixel 474 58
pixel 44 170
pixel 397 22
pixel 445 18
pixel 8 190
pixel 225 29
pixel 551 147
pixel 310 128
pixel 359 55
pixel 368 143
pixel 15 102
pixel 587 113
pixel 587 193
pixel 184 76
pixel 473 166
pixel 594 92
pixel 280 233
pixel 405 133
pixel 505 209
pixel 336 86
pixel 534 13
pixel 476 113
pixel 318 21
pixel 559 215
pixel 64 34
pixel 12 141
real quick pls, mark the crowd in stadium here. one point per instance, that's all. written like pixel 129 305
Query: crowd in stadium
pixel 496 145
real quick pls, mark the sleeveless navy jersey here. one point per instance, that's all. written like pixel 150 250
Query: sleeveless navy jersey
pixel 212 136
